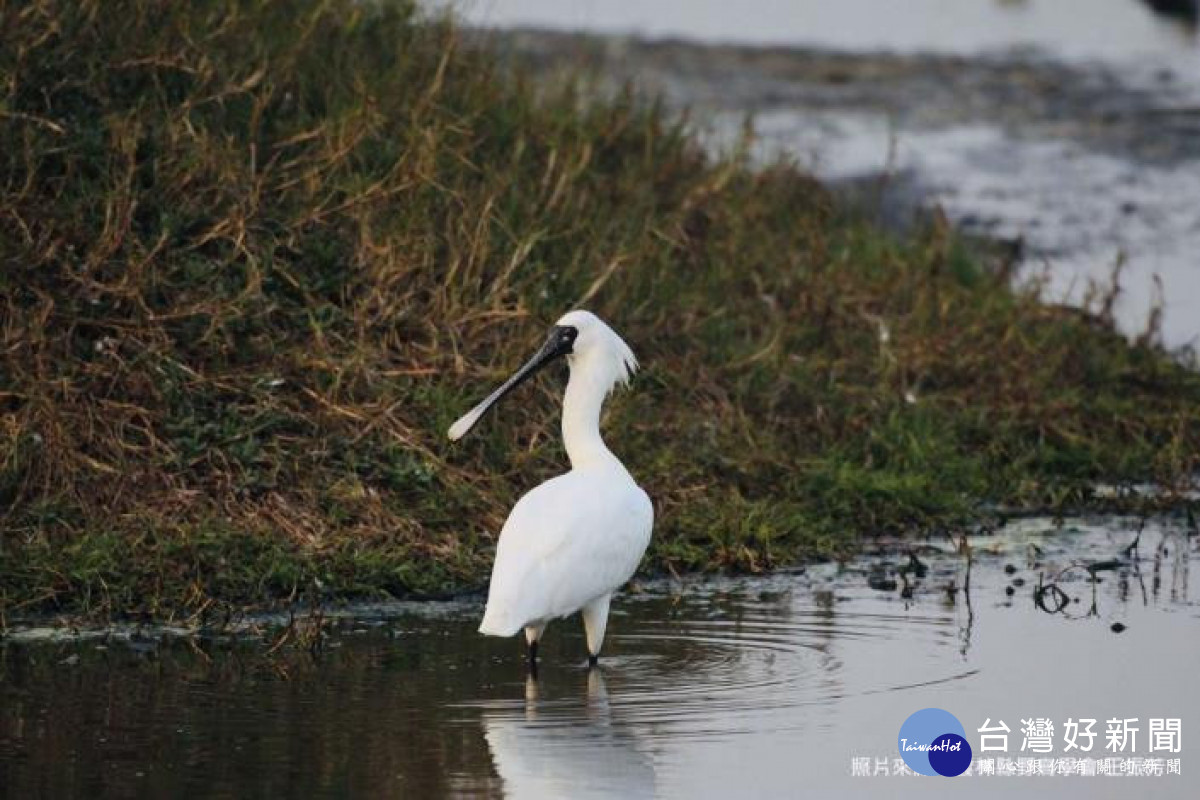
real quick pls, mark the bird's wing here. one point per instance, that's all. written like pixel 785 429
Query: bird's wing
pixel 570 540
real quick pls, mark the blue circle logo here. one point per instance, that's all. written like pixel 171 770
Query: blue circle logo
pixel 933 742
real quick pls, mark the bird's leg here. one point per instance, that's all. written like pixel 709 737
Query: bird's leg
pixel 533 669
pixel 532 634
pixel 595 620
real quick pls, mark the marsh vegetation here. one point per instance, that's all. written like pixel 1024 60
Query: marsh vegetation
pixel 256 257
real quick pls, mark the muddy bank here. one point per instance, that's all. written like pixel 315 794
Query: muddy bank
pixel 1086 169
pixel 1028 94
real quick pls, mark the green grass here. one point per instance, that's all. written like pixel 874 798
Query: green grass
pixel 255 258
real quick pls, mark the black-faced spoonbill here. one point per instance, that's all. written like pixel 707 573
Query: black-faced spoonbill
pixel 570 543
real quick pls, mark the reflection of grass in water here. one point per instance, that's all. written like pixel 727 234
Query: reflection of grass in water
pixel 257 260
pixel 286 718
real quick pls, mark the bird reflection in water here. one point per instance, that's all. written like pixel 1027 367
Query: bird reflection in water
pixel 560 748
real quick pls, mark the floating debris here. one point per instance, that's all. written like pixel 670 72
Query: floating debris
pixel 1050 598
pixel 881 582
pixel 915 565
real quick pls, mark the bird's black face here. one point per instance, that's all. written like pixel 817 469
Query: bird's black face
pixel 560 342
pixel 563 337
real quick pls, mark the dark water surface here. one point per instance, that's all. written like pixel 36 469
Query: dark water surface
pixel 756 687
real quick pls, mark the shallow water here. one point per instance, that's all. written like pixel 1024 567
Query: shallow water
pixel 1080 29
pixel 764 687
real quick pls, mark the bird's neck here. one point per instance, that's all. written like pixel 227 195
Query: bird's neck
pixel 585 395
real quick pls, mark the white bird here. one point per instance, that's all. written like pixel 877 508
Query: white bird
pixel 570 543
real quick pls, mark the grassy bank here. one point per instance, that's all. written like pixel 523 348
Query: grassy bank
pixel 256 257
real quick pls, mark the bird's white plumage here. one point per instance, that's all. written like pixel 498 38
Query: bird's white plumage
pixel 571 542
